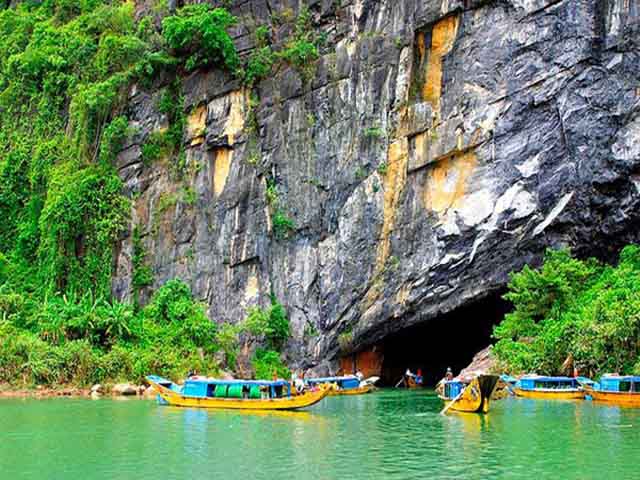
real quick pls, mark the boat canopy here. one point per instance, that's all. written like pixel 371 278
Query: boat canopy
pixel 620 383
pixel 452 388
pixel 543 378
pixel 349 381
pixel 260 383
pixel 330 379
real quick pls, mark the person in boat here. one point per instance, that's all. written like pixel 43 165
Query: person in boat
pixel 359 375
pixel 298 383
pixel 192 373
pixel 447 378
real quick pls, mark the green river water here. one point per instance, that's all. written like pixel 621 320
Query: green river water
pixel 385 435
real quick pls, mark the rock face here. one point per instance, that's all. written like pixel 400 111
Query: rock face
pixel 436 146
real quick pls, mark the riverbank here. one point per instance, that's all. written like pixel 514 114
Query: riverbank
pixel 97 391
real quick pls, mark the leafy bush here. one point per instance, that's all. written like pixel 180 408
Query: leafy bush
pixel 282 224
pixel 83 340
pixel 575 310
pixel 271 323
pixel 268 364
pixel 200 33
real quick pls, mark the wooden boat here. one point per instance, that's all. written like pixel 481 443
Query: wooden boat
pixel 472 397
pixel 548 388
pixel 345 385
pixel 413 381
pixel 615 389
pixel 235 394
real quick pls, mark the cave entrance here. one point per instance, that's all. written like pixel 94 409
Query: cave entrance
pixel 448 340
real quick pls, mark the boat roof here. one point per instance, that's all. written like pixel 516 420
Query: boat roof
pixel 261 383
pixel 216 381
pixel 543 378
pixel 331 379
pixel 625 378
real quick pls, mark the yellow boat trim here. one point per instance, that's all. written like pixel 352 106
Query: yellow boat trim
pixel 551 394
pixel 626 399
pixel 285 403
pixel 352 391
pixel 476 397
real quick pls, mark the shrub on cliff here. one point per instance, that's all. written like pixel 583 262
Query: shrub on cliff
pixel 573 309
pixel 267 364
pixel 199 33
pixel 271 323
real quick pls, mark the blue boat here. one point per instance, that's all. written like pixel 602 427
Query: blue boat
pixel 550 388
pixel 234 394
pixel 345 385
pixel 617 389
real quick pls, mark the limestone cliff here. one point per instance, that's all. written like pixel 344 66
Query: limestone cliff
pixel 435 146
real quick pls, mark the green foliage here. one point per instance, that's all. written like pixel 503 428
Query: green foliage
pixel 300 53
pixel 272 192
pixel 574 309
pixel 374 132
pixel 267 364
pixel 200 33
pixel 282 224
pixel 142 275
pixel 271 323
pixel 301 50
pixel 345 339
pixel 65 69
pixel 259 65
pixel 227 338
pixel 84 340
pixel 165 143
pixel 261 59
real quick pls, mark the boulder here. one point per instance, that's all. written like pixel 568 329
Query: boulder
pixel 149 392
pixel 97 388
pixel 124 389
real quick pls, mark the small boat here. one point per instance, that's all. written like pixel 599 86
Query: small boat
pixel 548 388
pixel 413 381
pixel 617 389
pixel 235 394
pixel 472 396
pixel 345 385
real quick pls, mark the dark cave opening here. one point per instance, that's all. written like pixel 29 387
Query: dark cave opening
pixel 449 340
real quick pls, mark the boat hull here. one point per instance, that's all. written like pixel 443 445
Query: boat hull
pixel 476 397
pixel 352 391
pixel 287 403
pixel 540 394
pixel 627 399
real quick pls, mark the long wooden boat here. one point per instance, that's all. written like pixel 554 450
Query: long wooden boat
pixel 472 397
pixel 235 394
pixel 616 389
pixel 548 388
pixel 345 385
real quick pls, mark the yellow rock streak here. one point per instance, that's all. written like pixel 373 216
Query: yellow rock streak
pixel 443 37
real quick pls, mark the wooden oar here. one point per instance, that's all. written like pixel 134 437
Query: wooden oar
pixel 398 384
pixel 444 410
